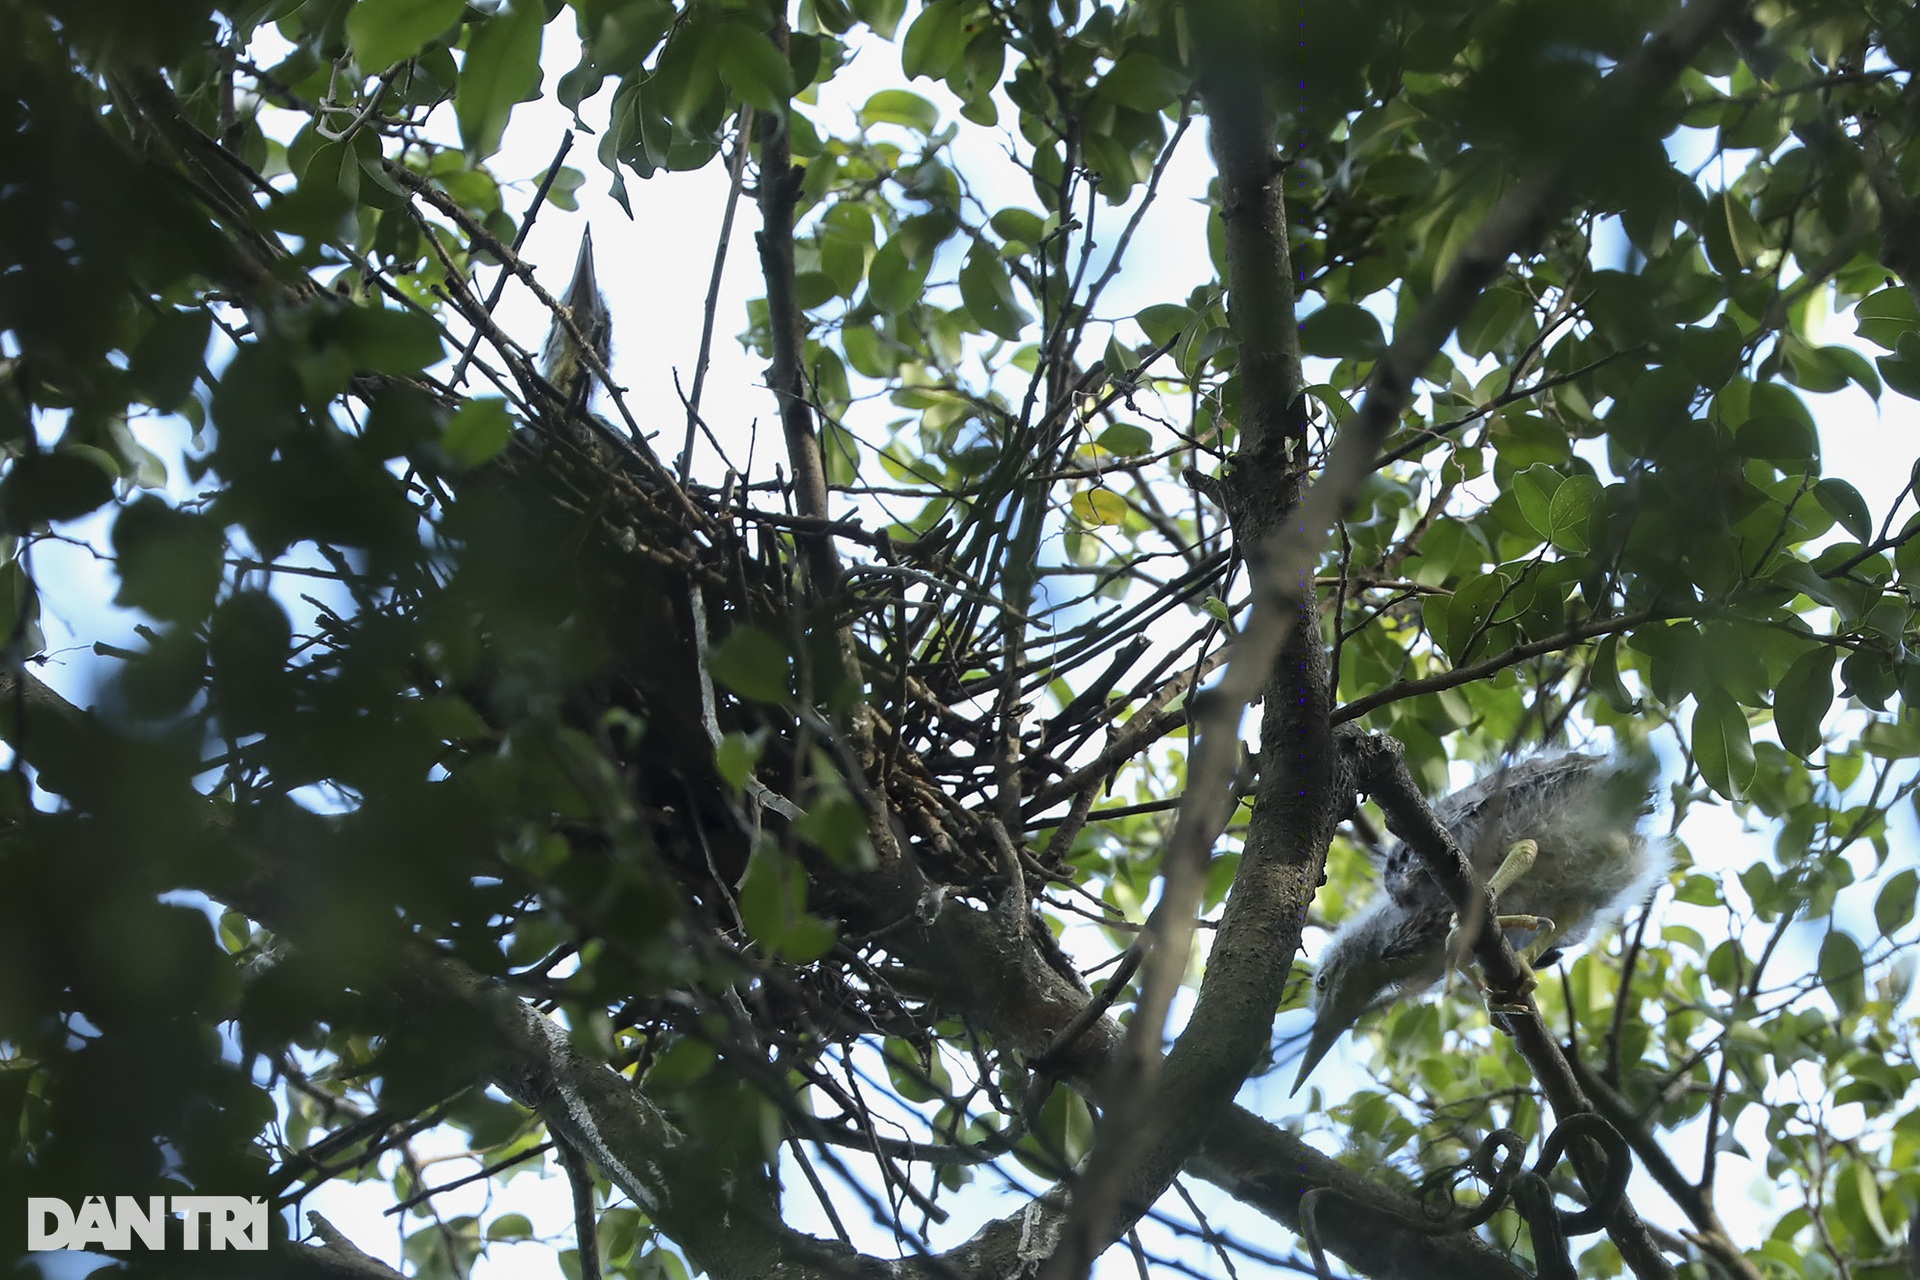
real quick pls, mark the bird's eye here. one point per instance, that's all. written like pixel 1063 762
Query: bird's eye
pixel 1319 982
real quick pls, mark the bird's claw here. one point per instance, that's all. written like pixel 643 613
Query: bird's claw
pixel 1514 1001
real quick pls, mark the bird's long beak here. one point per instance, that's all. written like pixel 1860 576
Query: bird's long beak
pixel 1318 1043
pixel 583 287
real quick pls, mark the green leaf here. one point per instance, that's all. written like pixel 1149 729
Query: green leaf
pixel 1401 174
pixel 1534 489
pixel 1495 316
pixel 335 165
pixel 882 15
pixel 915 1076
pixel 171 357
pixel 988 293
pixel 510 1226
pixel 1892 739
pixel 683 89
pixel 399 341
pixel 1777 439
pixel 1470 610
pixel 1893 908
pixel 1844 503
pixel 1143 82
pixel 935 41
pixel 807 939
pixel 1127 440
pixel 382 32
pixel 837 825
pixel 771 893
pixel 738 754
pixel 901 107
pixel 1680 935
pixel 1099 506
pixel 1163 321
pixel 1870 677
pixel 1024 225
pixel 1698 891
pixel 753 67
pixel 1900 373
pixel 753 664
pixel 1843 972
pixel 1722 744
pixel 684 1061
pixel 846 237
pixel 1734 240
pixel 502 69
pixel 773 907
pixel 64 485
pixel 1802 700
pixel 1712 355
pixel 1604 676
pixel 1857 368
pixel 171 562
pixel 1572 506
pixel 478 431
pixel 1799 576
pixel 1342 331
pixel 1883 316
pixel 1525 439
pixel 1867 1188
pixel 864 351
pixel 894 281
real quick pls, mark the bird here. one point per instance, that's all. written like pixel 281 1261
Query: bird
pixel 1556 839
pixel 560 362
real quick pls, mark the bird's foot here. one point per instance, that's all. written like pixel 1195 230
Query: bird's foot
pixel 1460 946
pixel 1517 1000
pixel 1521 855
pixel 1513 1001
pixel 1532 924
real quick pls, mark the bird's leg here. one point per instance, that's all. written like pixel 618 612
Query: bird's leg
pixel 1520 858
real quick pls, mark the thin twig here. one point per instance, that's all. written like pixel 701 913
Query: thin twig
pixel 742 134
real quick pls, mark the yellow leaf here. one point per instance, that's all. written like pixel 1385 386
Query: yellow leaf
pixel 1099 506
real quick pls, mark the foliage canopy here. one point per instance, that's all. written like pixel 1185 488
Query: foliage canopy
pixel 770 838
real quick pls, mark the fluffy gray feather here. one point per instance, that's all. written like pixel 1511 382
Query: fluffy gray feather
pixel 1584 812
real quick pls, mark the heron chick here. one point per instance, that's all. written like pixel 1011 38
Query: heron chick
pixel 560 362
pixel 1556 839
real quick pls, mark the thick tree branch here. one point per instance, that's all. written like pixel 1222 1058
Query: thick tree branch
pixel 1157 1113
pixel 1004 987
pixel 1709 1233
pixel 1383 773
pixel 1279 654
pixel 779 190
pixel 329 1250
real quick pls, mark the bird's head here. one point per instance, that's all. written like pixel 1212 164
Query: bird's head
pixel 1378 955
pixel 561 363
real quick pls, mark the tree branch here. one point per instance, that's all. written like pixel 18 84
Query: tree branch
pixel 1382 769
